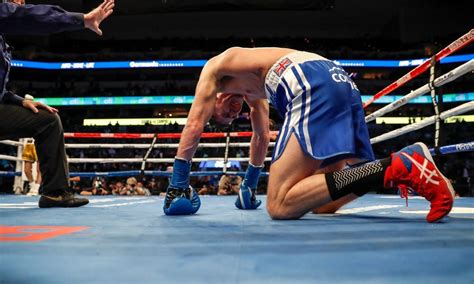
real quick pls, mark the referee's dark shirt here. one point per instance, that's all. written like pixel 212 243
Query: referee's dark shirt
pixel 29 20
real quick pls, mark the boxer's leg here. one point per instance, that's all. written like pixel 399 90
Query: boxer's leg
pixel 294 189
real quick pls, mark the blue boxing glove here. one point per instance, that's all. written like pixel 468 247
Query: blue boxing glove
pixel 247 199
pixel 181 198
pixel 181 201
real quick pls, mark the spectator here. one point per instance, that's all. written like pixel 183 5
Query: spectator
pixel 97 188
pixel 207 189
pixel 153 187
pixel 118 188
pixel 229 185
pixel 29 158
pixel 140 188
pixel 132 188
pixel 75 184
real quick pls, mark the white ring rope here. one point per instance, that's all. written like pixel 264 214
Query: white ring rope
pixel 139 160
pixel 423 123
pixel 446 78
pixel 11 143
pixel 10 158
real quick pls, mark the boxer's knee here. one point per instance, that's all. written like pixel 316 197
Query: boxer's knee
pixel 279 209
pixel 282 212
pixel 273 200
pixel 272 209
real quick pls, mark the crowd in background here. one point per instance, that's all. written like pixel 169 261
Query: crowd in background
pixel 153 82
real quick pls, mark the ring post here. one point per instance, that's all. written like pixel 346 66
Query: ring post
pixel 434 100
pixel 18 182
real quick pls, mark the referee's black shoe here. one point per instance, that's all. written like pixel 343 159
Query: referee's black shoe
pixel 66 199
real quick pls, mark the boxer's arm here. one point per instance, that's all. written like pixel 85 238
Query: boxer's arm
pixel 259 111
pixel 259 115
pixel 201 110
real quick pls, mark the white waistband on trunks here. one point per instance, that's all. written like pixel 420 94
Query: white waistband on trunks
pixel 274 75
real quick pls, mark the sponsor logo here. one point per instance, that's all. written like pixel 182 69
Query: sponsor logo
pixel 461 41
pixel 444 77
pixel 134 64
pixel 154 64
pixel 399 103
pixel 414 62
pixel 78 65
pixel 424 171
pixel 404 79
pixel 465 146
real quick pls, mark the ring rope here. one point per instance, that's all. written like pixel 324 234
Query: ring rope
pixel 462 147
pixel 136 172
pixel 10 158
pixel 157 160
pixel 157 173
pixel 146 146
pixel 11 143
pixel 423 123
pixel 446 78
pixel 449 149
pixel 159 136
pixel 452 149
pixel 461 42
pixel 138 146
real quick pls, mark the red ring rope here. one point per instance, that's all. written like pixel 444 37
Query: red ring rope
pixel 159 136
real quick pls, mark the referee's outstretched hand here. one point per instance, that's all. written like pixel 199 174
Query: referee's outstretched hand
pixel 34 106
pixel 93 19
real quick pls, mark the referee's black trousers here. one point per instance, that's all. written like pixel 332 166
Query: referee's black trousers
pixel 47 130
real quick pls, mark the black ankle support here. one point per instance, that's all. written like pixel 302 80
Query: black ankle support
pixel 358 180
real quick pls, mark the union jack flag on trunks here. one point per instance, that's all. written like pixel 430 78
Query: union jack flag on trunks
pixel 281 66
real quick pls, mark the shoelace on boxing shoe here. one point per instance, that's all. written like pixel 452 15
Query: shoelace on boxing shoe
pixel 404 192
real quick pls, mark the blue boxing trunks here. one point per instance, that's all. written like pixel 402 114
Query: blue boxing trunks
pixel 321 105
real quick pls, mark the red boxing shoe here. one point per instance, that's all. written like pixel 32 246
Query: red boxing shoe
pixel 413 167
